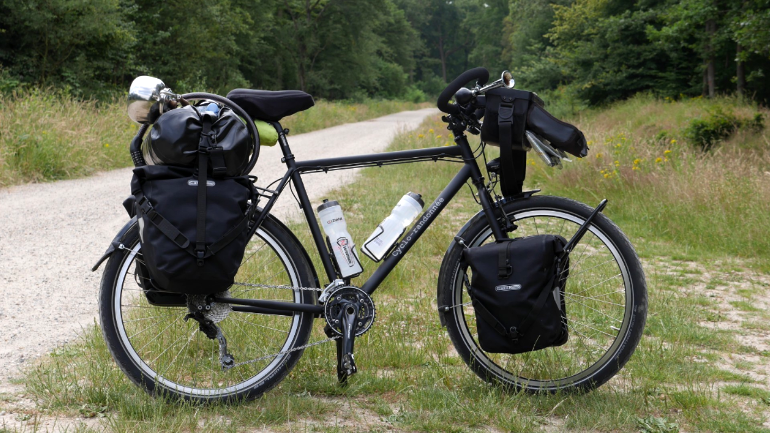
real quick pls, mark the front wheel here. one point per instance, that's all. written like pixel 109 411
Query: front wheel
pixel 163 352
pixel 605 295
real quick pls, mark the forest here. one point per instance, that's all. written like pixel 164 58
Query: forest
pixel 589 52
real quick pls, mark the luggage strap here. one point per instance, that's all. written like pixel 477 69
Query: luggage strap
pixel 203 168
pixel 181 240
pixel 511 120
pixel 515 331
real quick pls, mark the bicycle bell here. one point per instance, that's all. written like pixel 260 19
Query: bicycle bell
pixel 147 99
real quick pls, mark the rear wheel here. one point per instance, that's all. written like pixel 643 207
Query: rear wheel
pixel 167 355
pixel 605 295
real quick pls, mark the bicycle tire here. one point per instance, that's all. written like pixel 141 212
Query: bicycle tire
pixel 605 326
pixel 148 343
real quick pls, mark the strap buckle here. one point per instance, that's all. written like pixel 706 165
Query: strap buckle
pixel 505 113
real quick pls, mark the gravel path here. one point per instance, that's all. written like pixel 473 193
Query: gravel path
pixel 51 235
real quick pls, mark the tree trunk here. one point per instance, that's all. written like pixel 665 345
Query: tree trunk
pixel 711 28
pixel 705 89
pixel 739 70
pixel 442 55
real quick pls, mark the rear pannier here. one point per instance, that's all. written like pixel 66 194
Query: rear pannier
pixel 196 213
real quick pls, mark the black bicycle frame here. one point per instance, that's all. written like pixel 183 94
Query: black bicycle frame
pixel 461 152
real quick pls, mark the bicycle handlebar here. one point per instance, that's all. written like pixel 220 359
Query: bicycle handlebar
pixel 479 74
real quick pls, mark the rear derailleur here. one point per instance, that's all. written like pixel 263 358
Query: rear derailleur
pixel 208 314
pixel 349 313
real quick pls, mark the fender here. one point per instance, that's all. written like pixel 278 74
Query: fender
pixel 117 242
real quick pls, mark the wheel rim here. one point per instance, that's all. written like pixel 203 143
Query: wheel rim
pixel 589 307
pixel 179 358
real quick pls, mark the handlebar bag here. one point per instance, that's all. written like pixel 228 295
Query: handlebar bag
pixel 174 138
pixel 193 229
pixel 517 292
pixel 508 114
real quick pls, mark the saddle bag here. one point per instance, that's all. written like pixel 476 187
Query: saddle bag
pixel 194 225
pixel 517 292
pixel 508 113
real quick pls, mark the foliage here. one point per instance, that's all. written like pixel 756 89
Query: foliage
pixel 718 126
pixel 593 51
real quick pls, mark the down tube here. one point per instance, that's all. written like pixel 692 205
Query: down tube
pixel 419 228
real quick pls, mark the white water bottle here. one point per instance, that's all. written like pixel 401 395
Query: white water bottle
pixel 343 247
pixel 391 228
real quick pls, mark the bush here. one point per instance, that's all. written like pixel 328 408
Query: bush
pixel 718 126
pixel 413 94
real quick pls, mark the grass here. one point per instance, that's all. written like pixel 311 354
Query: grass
pixel 691 372
pixel 666 189
pixel 47 135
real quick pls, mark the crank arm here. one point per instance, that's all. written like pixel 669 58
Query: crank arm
pixel 346 365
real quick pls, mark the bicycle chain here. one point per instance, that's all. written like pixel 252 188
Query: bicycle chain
pixel 268 286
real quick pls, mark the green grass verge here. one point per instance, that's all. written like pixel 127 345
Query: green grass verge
pixel 45 135
pixel 694 370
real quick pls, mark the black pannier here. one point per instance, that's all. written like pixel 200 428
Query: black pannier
pixel 174 138
pixel 517 291
pixel 508 114
pixel 180 255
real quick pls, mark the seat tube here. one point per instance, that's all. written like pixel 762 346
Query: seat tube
pixel 304 202
pixel 478 181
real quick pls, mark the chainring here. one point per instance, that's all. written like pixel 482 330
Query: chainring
pixel 341 298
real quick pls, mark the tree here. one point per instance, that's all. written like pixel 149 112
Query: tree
pixel 83 44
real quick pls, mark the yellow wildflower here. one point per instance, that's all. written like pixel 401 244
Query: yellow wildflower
pixel 106 144
pixel 617 163
pixel 598 155
pixel 606 176
pixel 635 168
pixel 637 161
pixel 420 136
pixel 659 159
pixel 673 141
pixel 667 152
pixel 590 142
pixel 438 136
pixel 430 131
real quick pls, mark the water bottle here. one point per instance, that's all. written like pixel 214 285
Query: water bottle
pixel 391 228
pixel 342 245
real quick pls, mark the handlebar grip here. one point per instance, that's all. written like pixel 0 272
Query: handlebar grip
pixel 479 74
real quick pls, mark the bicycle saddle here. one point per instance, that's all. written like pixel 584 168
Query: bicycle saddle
pixel 271 105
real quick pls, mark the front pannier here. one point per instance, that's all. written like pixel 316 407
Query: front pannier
pixel 517 291
pixel 168 210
